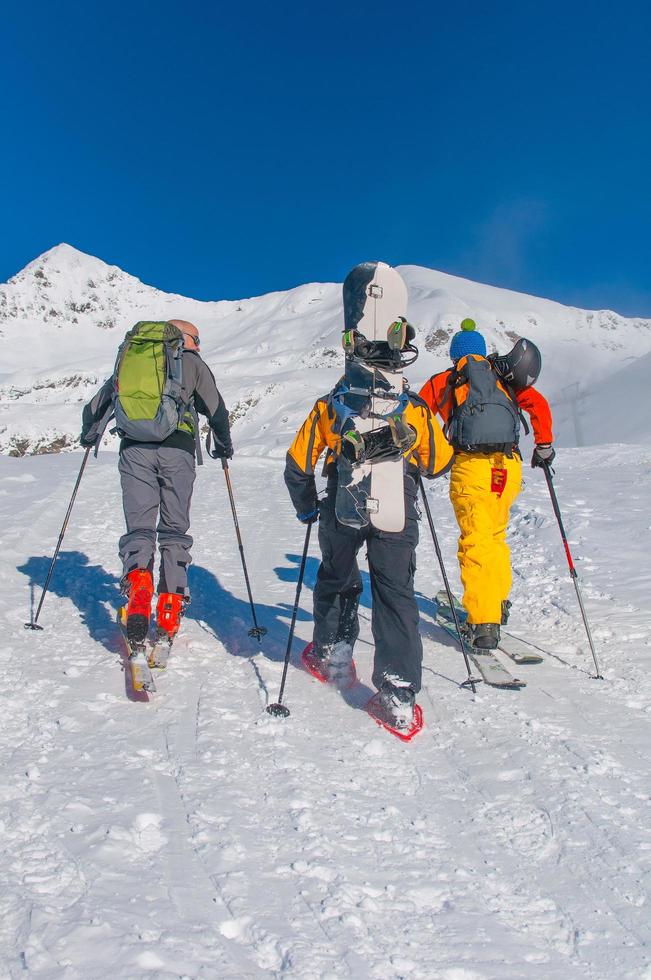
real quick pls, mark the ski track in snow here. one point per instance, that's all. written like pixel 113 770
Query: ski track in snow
pixel 189 834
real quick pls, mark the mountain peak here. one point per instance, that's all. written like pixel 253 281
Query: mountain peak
pixel 66 259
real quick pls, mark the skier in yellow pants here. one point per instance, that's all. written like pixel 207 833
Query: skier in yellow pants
pixel 480 399
pixel 482 490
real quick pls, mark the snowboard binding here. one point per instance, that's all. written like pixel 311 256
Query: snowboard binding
pixel 390 442
pixel 393 354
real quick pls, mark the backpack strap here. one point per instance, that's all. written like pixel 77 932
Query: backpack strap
pixel 514 398
pixel 417 400
pixel 197 436
pixel 449 394
pixel 446 392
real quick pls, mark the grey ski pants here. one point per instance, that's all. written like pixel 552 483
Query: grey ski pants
pixel 394 615
pixel 157 485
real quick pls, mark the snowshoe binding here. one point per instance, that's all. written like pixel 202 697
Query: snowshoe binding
pixel 338 668
pixel 394 708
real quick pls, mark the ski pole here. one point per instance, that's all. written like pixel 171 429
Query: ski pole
pixel 257 631
pixel 34 623
pixel 573 572
pixel 279 709
pixel 471 680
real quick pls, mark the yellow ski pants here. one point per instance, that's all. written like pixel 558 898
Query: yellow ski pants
pixel 482 490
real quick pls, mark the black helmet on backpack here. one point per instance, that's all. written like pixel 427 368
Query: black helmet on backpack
pixel 521 367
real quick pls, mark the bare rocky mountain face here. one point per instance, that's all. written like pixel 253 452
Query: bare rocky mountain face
pixel 63 316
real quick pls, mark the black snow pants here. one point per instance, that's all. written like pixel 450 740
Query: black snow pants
pixel 394 615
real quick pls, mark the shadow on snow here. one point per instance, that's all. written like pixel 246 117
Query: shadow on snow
pixel 95 593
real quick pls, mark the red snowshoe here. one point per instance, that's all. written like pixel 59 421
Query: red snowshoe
pixel 395 709
pixel 338 669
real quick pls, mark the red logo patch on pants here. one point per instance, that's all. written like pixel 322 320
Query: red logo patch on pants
pixel 498 480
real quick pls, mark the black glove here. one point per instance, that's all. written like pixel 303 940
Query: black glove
pixel 87 441
pixel 311 517
pixel 219 448
pixel 543 455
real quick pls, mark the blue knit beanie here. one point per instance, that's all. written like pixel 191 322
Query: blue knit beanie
pixel 467 341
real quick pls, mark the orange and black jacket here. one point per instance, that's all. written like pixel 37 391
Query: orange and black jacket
pixel 430 456
pixel 438 396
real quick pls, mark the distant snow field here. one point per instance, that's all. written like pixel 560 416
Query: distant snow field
pixel 189 834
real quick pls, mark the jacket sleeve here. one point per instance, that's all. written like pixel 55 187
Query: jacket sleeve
pixel 433 453
pixel 302 456
pixel 537 408
pixel 436 394
pixel 210 403
pixel 96 414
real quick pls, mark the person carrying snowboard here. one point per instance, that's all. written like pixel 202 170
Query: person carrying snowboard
pixel 159 384
pixel 480 400
pixel 349 424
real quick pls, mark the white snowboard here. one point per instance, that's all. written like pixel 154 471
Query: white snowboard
pixel 374 493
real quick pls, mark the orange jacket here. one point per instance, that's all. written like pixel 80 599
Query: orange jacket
pixel 431 454
pixel 534 404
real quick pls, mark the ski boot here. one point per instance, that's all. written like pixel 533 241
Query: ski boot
pixel 485 636
pixel 506 611
pixel 141 591
pixel 169 612
pixel 134 620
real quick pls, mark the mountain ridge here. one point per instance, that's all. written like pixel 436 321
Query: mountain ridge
pixel 70 311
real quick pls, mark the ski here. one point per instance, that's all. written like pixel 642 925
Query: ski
pixel 491 670
pixel 159 652
pixel 141 675
pixel 374 709
pixel 517 649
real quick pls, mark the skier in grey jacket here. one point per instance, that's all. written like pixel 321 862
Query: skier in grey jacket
pixel 157 480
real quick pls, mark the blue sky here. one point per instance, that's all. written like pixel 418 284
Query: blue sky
pixel 224 151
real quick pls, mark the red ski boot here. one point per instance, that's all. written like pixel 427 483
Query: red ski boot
pixel 169 610
pixel 141 591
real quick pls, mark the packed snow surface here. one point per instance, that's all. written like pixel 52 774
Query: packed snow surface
pixel 189 834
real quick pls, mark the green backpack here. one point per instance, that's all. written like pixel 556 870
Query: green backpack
pixel 148 381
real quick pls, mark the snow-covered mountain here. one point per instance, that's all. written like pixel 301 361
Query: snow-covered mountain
pixel 63 315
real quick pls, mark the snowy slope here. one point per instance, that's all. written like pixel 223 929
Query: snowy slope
pixel 62 317
pixel 619 410
pixel 191 835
